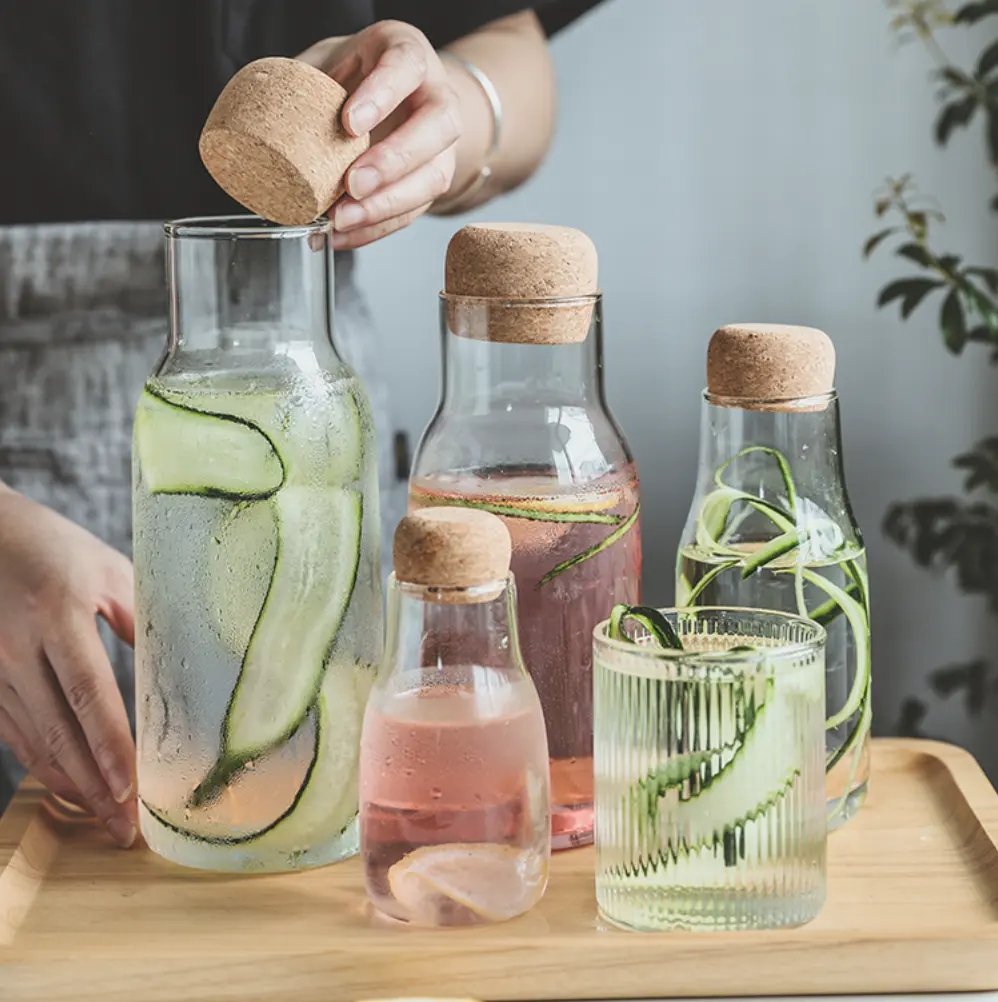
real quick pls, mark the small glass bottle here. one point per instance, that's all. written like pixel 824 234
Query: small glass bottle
pixel 258 618
pixel 523 431
pixel 771 525
pixel 455 800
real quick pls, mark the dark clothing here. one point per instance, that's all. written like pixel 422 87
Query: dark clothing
pixel 102 101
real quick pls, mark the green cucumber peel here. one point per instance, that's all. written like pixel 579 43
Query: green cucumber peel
pixel 651 619
pixel 222 437
pixel 778 547
pixel 593 551
pixel 856 616
pixel 531 514
pixel 851 601
pixel 781 461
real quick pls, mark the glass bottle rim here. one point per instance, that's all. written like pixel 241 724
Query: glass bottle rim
pixel 241 226
pixel 554 302
pixel 790 404
pixel 778 652
pixel 478 594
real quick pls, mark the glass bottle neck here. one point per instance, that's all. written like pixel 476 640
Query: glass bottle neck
pixel 470 627
pixel 482 374
pixel 245 287
pixel 791 456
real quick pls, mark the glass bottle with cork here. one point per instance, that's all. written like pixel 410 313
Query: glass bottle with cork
pixel 455 807
pixel 771 525
pixel 523 431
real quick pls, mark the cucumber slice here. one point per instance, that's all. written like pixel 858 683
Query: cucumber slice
pixel 182 451
pixel 237 574
pixel 760 772
pixel 318 553
pixel 319 436
pixel 327 800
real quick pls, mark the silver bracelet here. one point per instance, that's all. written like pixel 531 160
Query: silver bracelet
pixel 453 202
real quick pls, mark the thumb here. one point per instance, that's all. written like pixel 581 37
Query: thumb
pixel 116 603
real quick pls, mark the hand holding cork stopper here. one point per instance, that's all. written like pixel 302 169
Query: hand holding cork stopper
pixel 770 367
pixel 456 551
pixel 275 143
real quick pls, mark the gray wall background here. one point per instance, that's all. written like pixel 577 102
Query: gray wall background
pixel 723 156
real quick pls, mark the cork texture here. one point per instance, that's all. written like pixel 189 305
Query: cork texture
pixel 507 268
pixel 275 143
pixel 768 366
pixel 451 548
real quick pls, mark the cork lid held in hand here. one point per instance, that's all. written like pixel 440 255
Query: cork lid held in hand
pixel 507 263
pixel 766 364
pixel 451 548
pixel 275 143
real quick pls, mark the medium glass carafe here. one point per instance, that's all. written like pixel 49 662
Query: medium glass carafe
pixel 771 525
pixel 523 431
pixel 258 595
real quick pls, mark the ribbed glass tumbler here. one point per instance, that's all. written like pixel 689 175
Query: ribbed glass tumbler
pixel 710 771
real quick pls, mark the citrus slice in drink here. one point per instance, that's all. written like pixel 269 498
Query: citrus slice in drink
pixel 463 883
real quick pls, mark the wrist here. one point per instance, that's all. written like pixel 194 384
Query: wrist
pixel 481 113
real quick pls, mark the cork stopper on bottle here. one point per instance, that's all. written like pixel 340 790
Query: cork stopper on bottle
pixel 503 272
pixel 449 548
pixel 274 141
pixel 770 366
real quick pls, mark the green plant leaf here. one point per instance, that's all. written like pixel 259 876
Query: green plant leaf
pixel 988 275
pixel 956 78
pixel 953 323
pixel 877 239
pixel 917 253
pixel 946 534
pixel 988 60
pixel 909 725
pixel 911 292
pixel 972 678
pixel 992 133
pixel 957 114
pixel 971 13
pixel 981 464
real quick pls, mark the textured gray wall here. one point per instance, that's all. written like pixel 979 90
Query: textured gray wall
pixel 723 155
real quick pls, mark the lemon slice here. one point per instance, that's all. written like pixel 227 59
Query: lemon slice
pixel 462 883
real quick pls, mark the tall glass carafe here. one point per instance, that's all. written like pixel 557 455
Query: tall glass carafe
pixel 771 525
pixel 523 431
pixel 258 596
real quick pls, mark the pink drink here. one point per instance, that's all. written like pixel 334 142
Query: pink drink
pixel 454 826
pixel 560 604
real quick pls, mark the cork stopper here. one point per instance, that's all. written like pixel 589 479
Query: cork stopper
pixel 504 272
pixel 452 548
pixel 770 366
pixel 274 141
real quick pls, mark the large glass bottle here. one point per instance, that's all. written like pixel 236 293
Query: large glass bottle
pixel 771 525
pixel 258 597
pixel 523 431
pixel 455 813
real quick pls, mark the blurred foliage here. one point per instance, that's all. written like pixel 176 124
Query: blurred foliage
pixel 958 536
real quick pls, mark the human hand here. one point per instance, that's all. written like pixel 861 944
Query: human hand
pixel 61 711
pixel 399 92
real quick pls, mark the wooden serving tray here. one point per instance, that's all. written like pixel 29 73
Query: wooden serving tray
pixel 913 907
